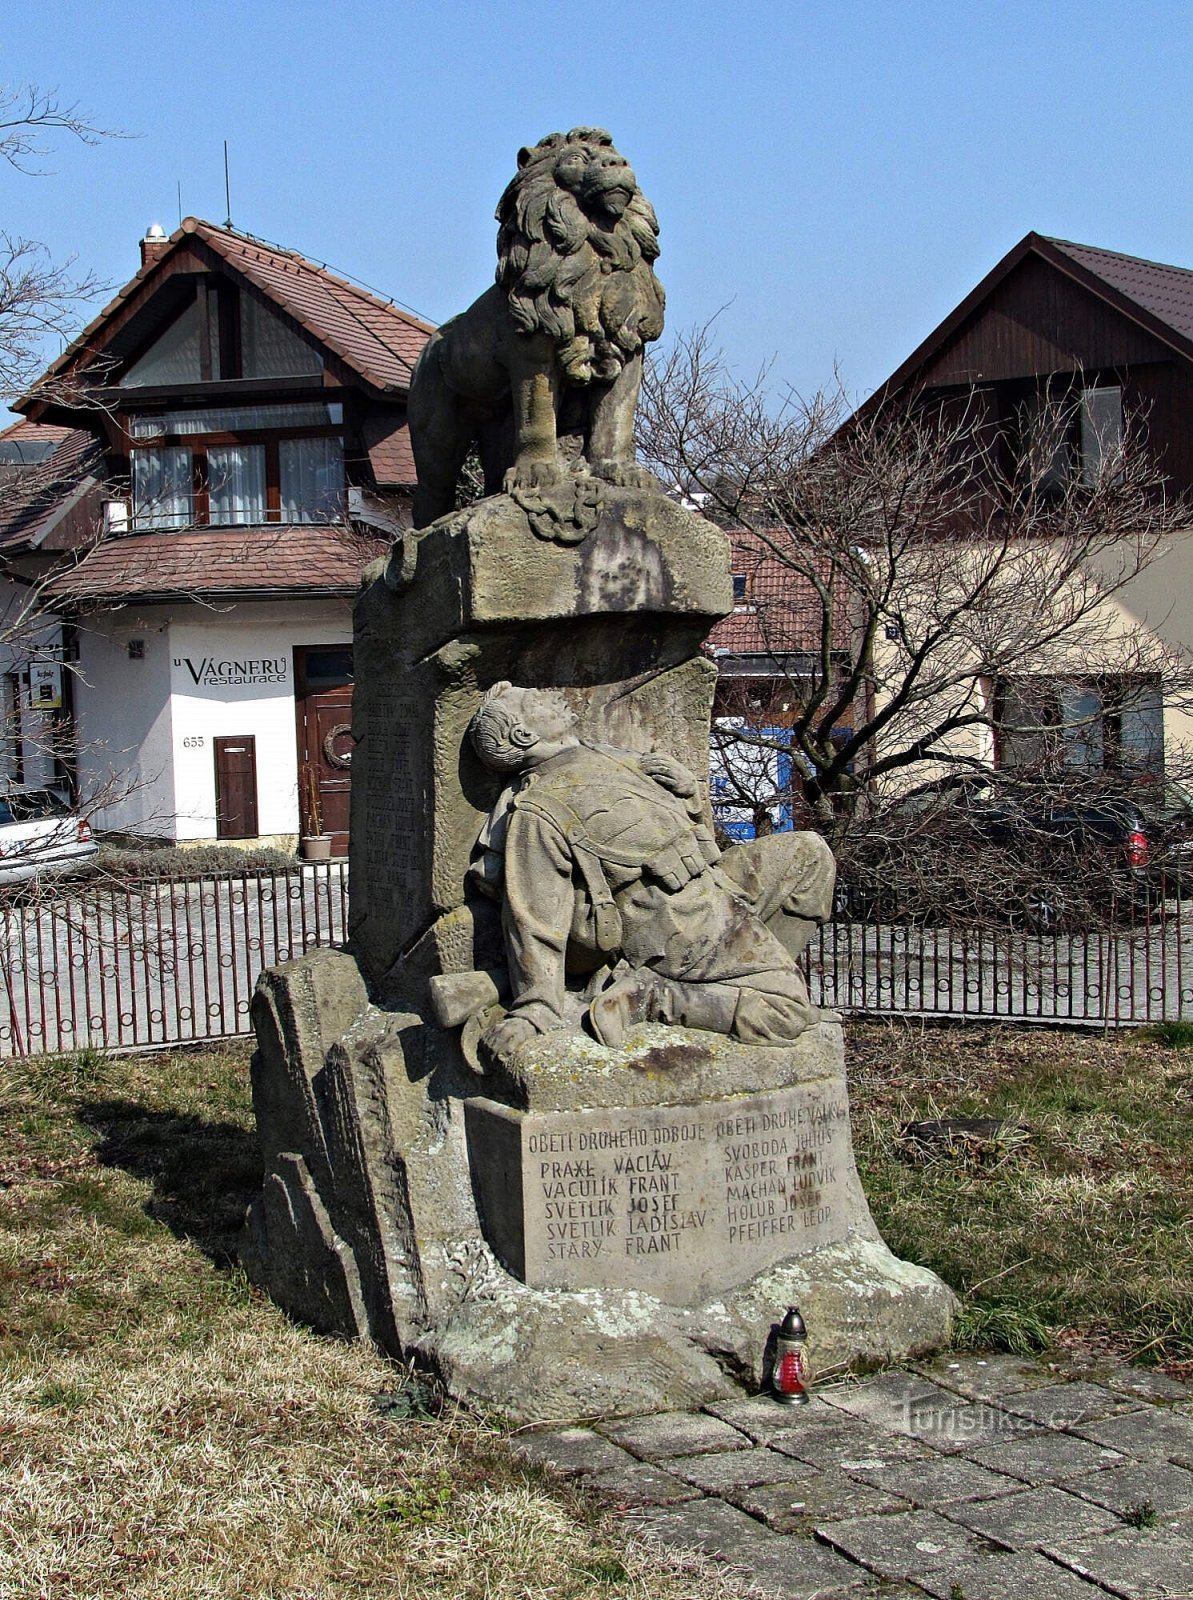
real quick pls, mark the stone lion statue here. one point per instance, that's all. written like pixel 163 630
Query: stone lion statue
pixel 542 373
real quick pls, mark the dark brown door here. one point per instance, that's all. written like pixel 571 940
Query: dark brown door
pixel 323 707
pixel 236 788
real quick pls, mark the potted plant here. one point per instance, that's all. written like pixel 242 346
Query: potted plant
pixel 316 845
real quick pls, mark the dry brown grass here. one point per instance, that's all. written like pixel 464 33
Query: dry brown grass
pixel 165 1433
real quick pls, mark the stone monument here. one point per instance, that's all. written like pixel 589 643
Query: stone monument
pixel 562 1122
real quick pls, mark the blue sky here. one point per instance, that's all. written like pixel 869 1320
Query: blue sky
pixel 835 176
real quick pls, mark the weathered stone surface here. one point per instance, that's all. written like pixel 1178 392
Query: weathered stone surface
pixel 688 1200
pixel 761 1418
pixel 1060 1405
pixel 656 1438
pixel 1136 1563
pixel 807 1497
pixel 795 1568
pixel 1153 1434
pixel 1167 1489
pixel 734 1469
pixel 903 1544
pixel 641 1484
pixel 482 600
pixel 850 1446
pixel 1008 1577
pixel 1145 1385
pixel 1045 1457
pixel 571 1452
pixel 985 1377
pixel 936 1483
pixel 1030 1519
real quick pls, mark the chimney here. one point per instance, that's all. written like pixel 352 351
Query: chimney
pixel 154 245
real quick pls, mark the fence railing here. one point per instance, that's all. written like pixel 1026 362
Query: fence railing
pixel 121 966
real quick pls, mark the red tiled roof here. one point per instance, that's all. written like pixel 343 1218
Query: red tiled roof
pixel 375 338
pixel 291 559
pixel 782 612
pixel 388 442
pixel 1167 292
pixel 34 497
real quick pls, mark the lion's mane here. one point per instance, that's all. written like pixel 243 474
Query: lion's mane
pixel 572 269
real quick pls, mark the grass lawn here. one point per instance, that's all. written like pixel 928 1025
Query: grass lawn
pixel 164 1432
pixel 1077 1231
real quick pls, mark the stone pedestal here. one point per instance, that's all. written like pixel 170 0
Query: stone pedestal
pixel 404 1203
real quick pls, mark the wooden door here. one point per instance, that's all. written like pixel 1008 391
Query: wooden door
pixel 236 788
pixel 323 708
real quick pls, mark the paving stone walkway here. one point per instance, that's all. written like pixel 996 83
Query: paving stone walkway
pixel 963 1478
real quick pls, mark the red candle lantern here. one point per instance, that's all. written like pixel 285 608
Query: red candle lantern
pixel 789 1375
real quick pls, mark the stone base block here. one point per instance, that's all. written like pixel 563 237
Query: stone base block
pixel 385 1213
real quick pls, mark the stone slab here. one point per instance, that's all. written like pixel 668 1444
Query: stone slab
pixel 1060 1405
pixel 762 1418
pixel 1009 1577
pixel 719 1471
pixel 674 1433
pixel 987 1377
pixel 683 1200
pixel 850 1445
pixel 571 1452
pixel 1039 1458
pixel 940 1482
pixel 809 1497
pixel 1138 1564
pixel 1155 1434
pixel 641 1484
pixel 796 1568
pixel 1032 1518
pixel 903 1544
pixel 1166 1489
pixel 1145 1385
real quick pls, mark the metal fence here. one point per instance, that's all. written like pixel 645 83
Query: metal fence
pixel 175 961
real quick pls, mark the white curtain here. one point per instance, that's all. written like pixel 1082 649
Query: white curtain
pixel 163 494
pixel 236 484
pixel 312 479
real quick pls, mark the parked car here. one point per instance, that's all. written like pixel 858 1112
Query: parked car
pixel 42 836
pixel 980 847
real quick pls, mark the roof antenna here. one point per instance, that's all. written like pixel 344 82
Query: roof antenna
pixel 227 189
pixel 180 202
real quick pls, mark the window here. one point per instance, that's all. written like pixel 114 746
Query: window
pixel 1067 433
pixel 237 466
pixel 163 487
pixel 224 332
pixel 1109 724
pixel 739 588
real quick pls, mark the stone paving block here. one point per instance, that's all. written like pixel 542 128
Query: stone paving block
pixel 1046 1457
pixel 730 1469
pixel 798 1505
pixel 1148 1385
pixel 762 1418
pixel 939 1482
pixel 903 1544
pixel 1154 1434
pixel 985 1377
pixel 1010 1577
pixel 850 1442
pixel 1061 1405
pixel 892 1399
pixel 674 1433
pixel 1167 1489
pixel 1033 1517
pixel 1136 1563
pixel 571 1451
pixel 639 1484
pixel 963 1427
pixel 796 1568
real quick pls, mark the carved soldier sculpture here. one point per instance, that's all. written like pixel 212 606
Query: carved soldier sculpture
pixel 617 906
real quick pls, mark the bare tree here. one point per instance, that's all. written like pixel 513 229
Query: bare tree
pixel 902 571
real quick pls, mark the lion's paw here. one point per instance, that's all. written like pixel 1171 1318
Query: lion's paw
pixel 534 475
pixel 625 474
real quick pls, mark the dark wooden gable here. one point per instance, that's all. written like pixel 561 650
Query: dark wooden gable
pixel 1038 320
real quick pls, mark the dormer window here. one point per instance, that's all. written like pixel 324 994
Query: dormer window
pixel 223 332
pixel 237 466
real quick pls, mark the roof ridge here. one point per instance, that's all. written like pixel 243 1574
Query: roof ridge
pixel 1119 255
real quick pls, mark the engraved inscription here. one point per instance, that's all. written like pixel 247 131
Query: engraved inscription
pixel 668 1198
